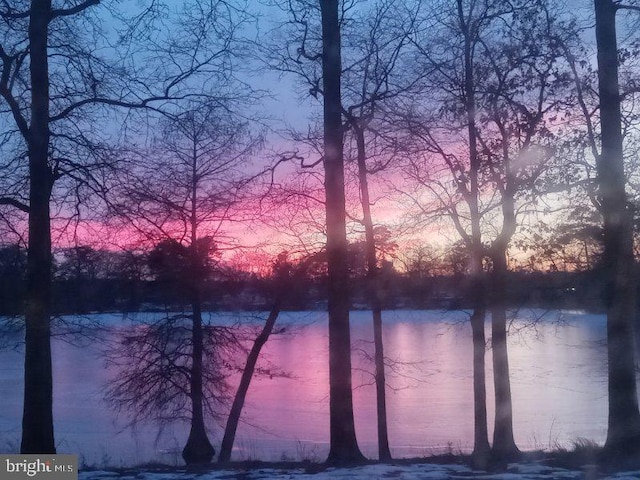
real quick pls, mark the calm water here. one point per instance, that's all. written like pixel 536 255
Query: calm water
pixel 558 370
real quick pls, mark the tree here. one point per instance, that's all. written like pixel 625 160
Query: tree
pixel 607 193
pixel 573 243
pixel 518 151
pixel 61 73
pixel 371 79
pixel 498 79
pixel 155 371
pixel 186 195
pixel 284 276
pixel 372 43
pixel 623 432
pixel 467 26
pixel 343 444
pixel 470 28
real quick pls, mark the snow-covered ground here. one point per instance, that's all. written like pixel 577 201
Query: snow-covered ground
pixel 523 471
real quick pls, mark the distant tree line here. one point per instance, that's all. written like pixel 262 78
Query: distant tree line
pixel 87 280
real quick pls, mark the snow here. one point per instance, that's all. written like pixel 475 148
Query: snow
pixel 523 471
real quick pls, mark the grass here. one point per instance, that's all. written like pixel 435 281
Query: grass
pixel 587 455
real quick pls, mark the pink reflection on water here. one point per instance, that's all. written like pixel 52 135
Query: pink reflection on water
pixel 558 385
pixel 293 408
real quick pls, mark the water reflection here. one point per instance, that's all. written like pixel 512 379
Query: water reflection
pixel 558 385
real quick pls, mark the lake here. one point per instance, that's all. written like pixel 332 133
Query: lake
pixel 558 378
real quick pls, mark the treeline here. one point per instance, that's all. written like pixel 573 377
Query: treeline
pixel 87 280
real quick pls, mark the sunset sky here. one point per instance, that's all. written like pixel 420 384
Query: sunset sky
pixel 284 104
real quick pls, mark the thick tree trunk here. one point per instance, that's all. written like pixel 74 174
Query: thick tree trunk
pixel 343 445
pixel 481 448
pixel 504 445
pixel 481 434
pixel 243 387
pixel 384 453
pixel 37 420
pixel 623 434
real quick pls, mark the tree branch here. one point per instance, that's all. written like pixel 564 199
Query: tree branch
pixel 5 75
pixel 619 6
pixel 145 103
pixel 11 14
pixel 65 12
pixel 14 203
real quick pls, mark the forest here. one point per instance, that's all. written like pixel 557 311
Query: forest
pixel 193 158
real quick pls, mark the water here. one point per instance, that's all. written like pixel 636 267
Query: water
pixel 557 359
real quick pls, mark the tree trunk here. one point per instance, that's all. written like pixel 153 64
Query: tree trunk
pixel 504 445
pixel 481 434
pixel 384 453
pixel 623 434
pixel 481 448
pixel 243 387
pixel 37 420
pixel 198 448
pixel 343 445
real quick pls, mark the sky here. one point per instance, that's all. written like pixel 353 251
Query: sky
pixel 287 104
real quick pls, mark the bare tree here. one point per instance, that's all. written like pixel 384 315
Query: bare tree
pixel 154 366
pixel 284 275
pixel 467 25
pixel 55 85
pixel 498 80
pixel 623 433
pixel 185 189
pixel 373 41
pixel 343 444
pixel 373 77
pixel 607 192
pixel 302 53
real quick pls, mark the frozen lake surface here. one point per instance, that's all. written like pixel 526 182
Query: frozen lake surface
pixel 558 369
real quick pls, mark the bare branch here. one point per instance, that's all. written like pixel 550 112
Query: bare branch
pixel 65 12
pixel 14 203
pixel 620 6
pixel 9 13
pixel 8 66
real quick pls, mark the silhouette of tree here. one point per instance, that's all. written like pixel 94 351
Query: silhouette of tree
pixel 372 78
pixel 606 188
pixel 343 444
pixel 623 432
pixel 184 190
pixel 285 274
pixel 494 74
pixel 571 243
pixel 155 374
pixel 373 42
pixel 62 73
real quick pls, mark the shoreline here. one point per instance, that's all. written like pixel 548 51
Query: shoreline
pixel 585 462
